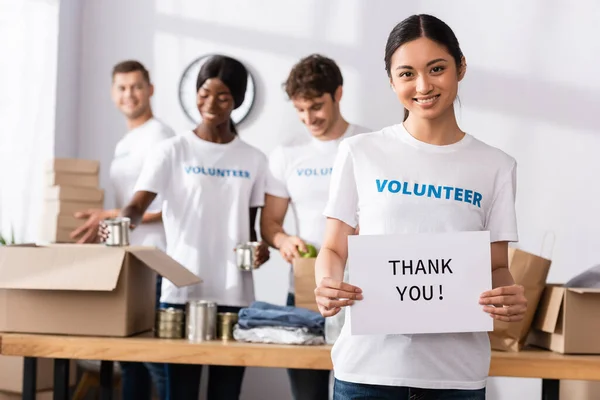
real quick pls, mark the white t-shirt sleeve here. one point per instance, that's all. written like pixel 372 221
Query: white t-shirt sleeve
pixel 156 171
pixel 276 178
pixel 501 220
pixel 257 196
pixel 343 195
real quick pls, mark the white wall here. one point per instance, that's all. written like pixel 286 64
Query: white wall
pixel 68 78
pixel 530 89
pixel 28 68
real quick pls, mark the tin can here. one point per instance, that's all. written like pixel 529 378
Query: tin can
pixel 118 231
pixel 201 323
pixel 170 323
pixel 246 255
pixel 225 323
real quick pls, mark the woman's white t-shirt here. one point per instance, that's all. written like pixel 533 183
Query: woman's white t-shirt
pixel 208 190
pixel 125 169
pixel 388 182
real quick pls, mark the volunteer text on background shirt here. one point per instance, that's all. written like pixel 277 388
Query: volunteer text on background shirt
pixel 301 173
pixel 125 169
pixel 388 182
pixel 208 189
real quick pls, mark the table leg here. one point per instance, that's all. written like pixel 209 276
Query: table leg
pixel 61 379
pixel 550 389
pixel 106 380
pixel 29 378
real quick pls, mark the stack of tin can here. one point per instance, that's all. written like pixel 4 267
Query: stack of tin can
pixel 170 323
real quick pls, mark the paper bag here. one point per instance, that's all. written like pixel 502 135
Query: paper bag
pixel 531 272
pixel 304 283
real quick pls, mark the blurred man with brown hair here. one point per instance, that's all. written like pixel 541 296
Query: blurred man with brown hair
pixel 300 175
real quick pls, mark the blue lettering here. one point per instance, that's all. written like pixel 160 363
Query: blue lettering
pixel 468 195
pixel 218 172
pixel 397 185
pixel 419 192
pixel 381 185
pixel 477 199
pixel 458 192
pixel 314 171
pixel 448 189
pixel 431 190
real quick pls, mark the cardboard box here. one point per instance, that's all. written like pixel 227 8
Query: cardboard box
pixel 72 179
pixel 63 221
pixel 579 390
pixel 11 374
pixel 58 207
pixel 90 289
pixel 568 320
pixel 304 283
pixel 57 228
pixel 54 234
pixel 77 194
pixel 73 165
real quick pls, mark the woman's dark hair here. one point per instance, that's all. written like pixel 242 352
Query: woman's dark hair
pixel 231 72
pixel 415 27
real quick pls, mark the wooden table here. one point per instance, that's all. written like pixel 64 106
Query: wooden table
pixel 532 363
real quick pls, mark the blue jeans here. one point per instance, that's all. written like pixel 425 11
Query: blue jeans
pixel 137 377
pixel 308 384
pixel 357 391
pixel 224 382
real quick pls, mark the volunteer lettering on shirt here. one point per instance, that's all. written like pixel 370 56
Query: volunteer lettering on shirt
pixel 208 190
pixel 308 172
pixel 428 190
pixel 218 172
pixel 388 182
pixel 125 169
pixel 302 173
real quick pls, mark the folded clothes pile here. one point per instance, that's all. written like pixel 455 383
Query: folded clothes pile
pixel 269 323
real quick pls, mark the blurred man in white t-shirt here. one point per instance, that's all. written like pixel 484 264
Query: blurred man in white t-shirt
pixel 299 178
pixel 131 92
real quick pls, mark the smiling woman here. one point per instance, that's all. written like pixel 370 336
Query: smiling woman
pixel 443 66
pixel 188 92
pixel 445 181
pixel 212 184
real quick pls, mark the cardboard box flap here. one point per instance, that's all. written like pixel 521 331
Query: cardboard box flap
pixel 60 267
pixel 165 266
pixel 585 290
pixel 549 309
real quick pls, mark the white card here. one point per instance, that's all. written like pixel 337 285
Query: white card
pixel 420 283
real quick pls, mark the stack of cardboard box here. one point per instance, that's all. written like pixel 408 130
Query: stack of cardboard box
pixel 72 185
